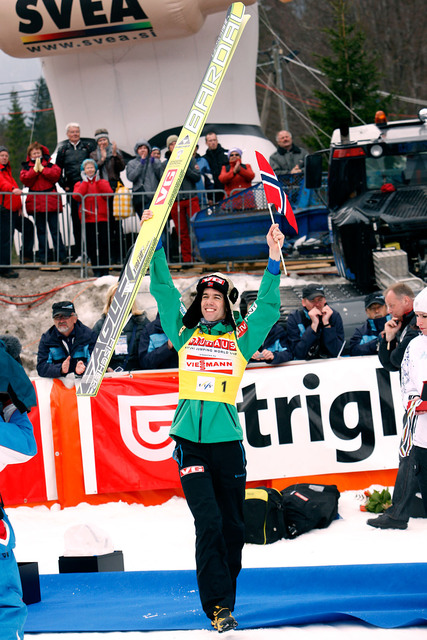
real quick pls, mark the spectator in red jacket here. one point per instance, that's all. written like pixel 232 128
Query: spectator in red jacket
pixel 236 175
pixel 95 210
pixel 8 205
pixel 39 173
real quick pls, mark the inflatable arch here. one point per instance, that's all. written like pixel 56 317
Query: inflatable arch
pixel 134 66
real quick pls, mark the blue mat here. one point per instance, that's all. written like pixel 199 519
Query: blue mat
pixel 388 596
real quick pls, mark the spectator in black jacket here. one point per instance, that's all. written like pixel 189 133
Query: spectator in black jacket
pixel 365 341
pixel 398 332
pixel 216 157
pixel 316 330
pixel 155 349
pixel 65 347
pixel 401 328
pixel 125 356
pixel 69 158
pixel 288 158
pixel 275 348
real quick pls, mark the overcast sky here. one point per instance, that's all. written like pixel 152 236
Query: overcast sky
pixel 19 74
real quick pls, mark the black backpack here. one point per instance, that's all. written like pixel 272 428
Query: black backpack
pixel 263 515
pixel 309 506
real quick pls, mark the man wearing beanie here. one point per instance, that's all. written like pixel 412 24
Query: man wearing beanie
pixel 414 392
pixel 144 172
pixel 214 346
pixel 108 158
pixel 110 163
pixel 186 205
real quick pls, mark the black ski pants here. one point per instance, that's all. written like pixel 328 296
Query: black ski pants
pixel 213 478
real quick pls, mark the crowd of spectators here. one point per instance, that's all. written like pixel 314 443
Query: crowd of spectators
pixel 218 174
pixel 313 331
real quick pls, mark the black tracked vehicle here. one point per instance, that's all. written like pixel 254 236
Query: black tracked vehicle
pixel 377 196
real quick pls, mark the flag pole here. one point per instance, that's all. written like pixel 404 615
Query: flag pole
pixel 278 244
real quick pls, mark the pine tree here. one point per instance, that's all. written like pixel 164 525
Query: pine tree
pixel 351 74
pixel 17 135
pixel 43 122
pixel 3 132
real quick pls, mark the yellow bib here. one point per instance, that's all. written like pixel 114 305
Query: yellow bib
pixel 210 368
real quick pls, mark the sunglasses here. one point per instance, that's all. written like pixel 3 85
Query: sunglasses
pixel 234 154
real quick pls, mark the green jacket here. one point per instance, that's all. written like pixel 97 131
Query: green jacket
pixel 203 420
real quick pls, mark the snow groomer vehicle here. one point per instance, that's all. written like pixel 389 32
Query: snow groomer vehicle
pixel 377 196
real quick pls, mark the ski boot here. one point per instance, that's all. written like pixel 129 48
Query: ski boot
pixel 223 620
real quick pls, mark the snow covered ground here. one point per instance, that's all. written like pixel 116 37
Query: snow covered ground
pixel 162 537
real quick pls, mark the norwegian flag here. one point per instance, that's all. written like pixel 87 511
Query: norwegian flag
pixel 274 191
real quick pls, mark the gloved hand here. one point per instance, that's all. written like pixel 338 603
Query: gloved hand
pixel 8 410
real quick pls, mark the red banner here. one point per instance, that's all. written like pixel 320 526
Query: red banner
pixel 22 483
pixel 130 427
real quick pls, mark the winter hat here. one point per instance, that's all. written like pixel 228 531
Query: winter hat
pixel 139 143
pixel 3 148
pixel 13 346
pixel 420 301
pixel 374 298
pixel 85 162
pixel 311 291
pixel 171 139
pixel 219 282
pixel 235 150
pixel 102 133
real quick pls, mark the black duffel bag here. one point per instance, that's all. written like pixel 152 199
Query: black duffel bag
pixel 309 506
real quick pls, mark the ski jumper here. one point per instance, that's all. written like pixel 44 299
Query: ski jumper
pixel 206 427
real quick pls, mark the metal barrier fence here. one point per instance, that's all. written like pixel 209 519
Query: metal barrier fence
pixel 254 197
pixel 65 230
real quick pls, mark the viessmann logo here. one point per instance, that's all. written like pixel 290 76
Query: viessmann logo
pixel 105 22
pixel 144 425
pixel 213 365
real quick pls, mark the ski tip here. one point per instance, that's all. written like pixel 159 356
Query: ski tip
pixel 87 390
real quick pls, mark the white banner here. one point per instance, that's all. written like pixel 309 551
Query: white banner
pixel 322 417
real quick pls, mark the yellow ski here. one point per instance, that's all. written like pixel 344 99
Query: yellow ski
pixel 163 199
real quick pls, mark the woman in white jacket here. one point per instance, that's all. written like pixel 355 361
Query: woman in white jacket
pixel 413 381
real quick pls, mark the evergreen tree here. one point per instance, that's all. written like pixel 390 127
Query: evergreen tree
pixel 17 135
pixel 351 74
pixel 43 122
pixel 3 131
